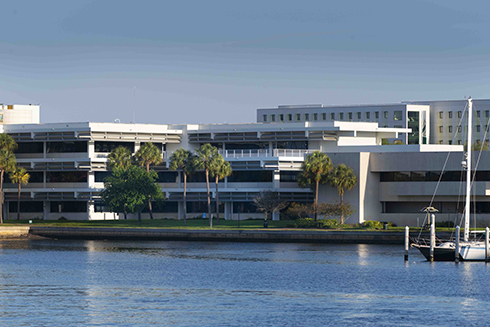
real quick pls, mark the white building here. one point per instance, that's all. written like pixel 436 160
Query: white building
pixel 68 163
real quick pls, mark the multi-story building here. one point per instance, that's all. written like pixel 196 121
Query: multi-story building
pixel 68 163
pixel 431 122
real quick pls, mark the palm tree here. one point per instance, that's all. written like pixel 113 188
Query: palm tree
pixel 148 154
pixel 21 177
pixel 7 163
pixel 220 168
pixel 183 160
pixel 205 157
pixel 343 178
pixel 120 158
pixel 314 171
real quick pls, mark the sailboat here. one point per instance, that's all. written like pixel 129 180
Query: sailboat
pixel 469 250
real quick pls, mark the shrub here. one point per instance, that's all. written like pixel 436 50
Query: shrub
pixel 62 218
pixel 328 223
pixel 304 223
pixel 372 224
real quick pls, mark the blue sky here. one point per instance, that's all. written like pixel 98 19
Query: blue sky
pixel 218 61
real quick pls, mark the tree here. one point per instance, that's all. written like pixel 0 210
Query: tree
pixel 7 163
pixel 148 154
pixel 343 178
pixel 314 171
pixel 205 157
pixel 120 158
pixel 268 201
pixel 128 190
pixel 21 177
pixel 337 211
pixel 220 168
pixel 479 146
pixel 183 160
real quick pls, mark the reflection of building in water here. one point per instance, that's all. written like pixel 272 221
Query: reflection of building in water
pixel 68 162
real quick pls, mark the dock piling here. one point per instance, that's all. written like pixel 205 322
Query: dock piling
pixel 486 244
pixel 432 240
pixel 407 241
pixel 456 248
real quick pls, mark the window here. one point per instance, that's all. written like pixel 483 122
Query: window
pixel 289 176
pixel 29 147
pixel 68 206
pixel 315 116
pixel 332 116
pixel 450 142
pixel 101 175
pixel 459 142
pixel 350 116
pixel 385 114
pixel 341 116
pixel 478 128
pixel 281 117
pixel 441 129
pixel 478 113
pixel 290 117
pixel 449 114
pixel 459 129
pixel 397 115
pixel 487 112
pixel 441 114
pixel 459 114
pixel 251 176
pixel 359 116
pixel 264 118
pixel 324 116
pixel 273 118
pixel 103 146
pixel 298 117
pixel 167 177
pixel 450 129
pixel 26 206
pixel 376 115
pixel 66 177
pixel 368 115
pixel 440 141
pixel 307 117
pixel 63 147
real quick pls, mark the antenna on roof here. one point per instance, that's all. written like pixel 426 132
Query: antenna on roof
pixel 134 102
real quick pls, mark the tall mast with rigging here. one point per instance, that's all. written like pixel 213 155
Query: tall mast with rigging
pixel 468 171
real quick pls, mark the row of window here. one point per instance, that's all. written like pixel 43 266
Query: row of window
pixel 349 116
pixel 460 114
pixel 54 177
pixel 77 146
pixel 450 129
pixel 443 207
pixel 431 176
pixel 54 206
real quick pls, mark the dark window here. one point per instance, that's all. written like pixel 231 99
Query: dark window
pixel 66 177
pixel 397 115
pixel 359 116
pixel 26 206
pixel 250 176
pixel 341 116
pixel 376 115
pixel 307 117
pixel 324 116
pixel 315 116
pixel 290 117
pixel 332 116
pixel 418 176
pixel 34 177
pixel 281 117
pixel 63 147
pixel 292 145
pixel 368 115
pixel 103 146
pixel 289 176
pixel 165 207
pixel 449 114
pixel 202 207
pixel 244 207
pixel 273 118
pixel 402 176
pixel 350 116
pixel 167 177
pixel 265 118
pixel 441 114
pixel 298 117
pixel 68 206
pixel 29 147
pixel 195 177
pixel 99 206
pixel 100 176
pixel 247 146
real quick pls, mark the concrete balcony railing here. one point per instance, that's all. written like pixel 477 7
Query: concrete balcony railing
pixel 105 155
pixel 264 153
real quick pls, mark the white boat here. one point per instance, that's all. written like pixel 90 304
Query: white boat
pixel 469 250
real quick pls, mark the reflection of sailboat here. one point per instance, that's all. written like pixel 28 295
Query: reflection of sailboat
pixel 469 250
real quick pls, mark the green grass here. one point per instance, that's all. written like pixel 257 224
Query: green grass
pixel 250 224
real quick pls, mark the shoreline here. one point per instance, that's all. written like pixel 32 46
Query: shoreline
pixel 199 235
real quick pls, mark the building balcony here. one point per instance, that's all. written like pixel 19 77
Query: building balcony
pixel 256 153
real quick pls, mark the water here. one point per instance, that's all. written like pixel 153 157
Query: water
pixel 109 283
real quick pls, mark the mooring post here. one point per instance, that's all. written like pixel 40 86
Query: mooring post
pixel 432 240
pixel 407 241
pixel 456 248
pixel 486 244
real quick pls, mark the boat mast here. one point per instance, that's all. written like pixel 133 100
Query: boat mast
pixel 468 172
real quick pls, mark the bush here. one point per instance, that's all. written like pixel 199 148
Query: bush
pixel 445 224
pixel 328 223
pixel 304 223
pixel 62 218
pixel 372 224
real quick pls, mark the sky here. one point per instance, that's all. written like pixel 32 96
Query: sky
pixel 218 61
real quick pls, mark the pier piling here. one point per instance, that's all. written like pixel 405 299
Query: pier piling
pixel 407 242
pixel 456 248
pixel 432 240
pixel 486 244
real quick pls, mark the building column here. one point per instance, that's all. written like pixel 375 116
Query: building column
pixel 275 215
pixel 90 210
pixel 276 182
pixel 45 210
pixel 180 210
pixel 228 210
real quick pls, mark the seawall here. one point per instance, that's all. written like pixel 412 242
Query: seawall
pixel 14 231
pixel 286 236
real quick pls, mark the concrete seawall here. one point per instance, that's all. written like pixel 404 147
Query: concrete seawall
pixel 360 237
pixel 14 231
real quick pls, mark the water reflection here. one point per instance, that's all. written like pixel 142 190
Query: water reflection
pixel 209 284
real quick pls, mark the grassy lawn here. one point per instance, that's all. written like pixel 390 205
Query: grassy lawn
pixel 191 224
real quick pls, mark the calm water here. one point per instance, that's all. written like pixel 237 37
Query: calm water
pixel 104 283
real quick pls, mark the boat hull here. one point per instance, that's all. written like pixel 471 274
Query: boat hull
pixel 470 252
pixel 440 254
